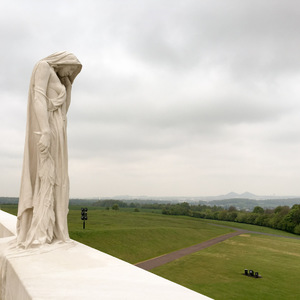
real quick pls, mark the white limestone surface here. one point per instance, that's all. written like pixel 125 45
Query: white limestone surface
pixel 76 271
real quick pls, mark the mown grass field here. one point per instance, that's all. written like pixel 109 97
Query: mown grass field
pixel 138 236
pixel 251 227
pixel 215 271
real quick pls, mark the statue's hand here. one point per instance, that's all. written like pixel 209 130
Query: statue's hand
pixel 66 82
pixel 44 143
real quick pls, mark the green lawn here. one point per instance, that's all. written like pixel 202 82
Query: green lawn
pixel 137 236
pixel 10 208
pixel 216 271
pixel 251 227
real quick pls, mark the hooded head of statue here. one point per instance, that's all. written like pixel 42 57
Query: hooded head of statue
pixel 58 60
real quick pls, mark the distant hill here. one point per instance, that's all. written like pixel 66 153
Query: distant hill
pixel 249 204
pixel 245 195
pixel 15 200
pixel 245 201
pixel 82 201
pixel 231 195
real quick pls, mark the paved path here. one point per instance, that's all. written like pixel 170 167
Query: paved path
pixel 161 260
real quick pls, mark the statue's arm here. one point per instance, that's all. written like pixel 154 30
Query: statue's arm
pixel 42 76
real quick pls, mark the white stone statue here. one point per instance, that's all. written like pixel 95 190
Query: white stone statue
pixel 44 193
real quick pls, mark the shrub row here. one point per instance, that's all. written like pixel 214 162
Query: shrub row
pixel 282 217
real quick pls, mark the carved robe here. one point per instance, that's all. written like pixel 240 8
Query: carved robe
pixel 44 192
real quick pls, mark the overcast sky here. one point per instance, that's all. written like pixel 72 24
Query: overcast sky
pixel 175 98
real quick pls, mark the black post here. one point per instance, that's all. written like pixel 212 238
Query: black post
pixel 84 216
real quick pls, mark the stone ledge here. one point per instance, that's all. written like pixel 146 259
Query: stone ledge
pixel 76 271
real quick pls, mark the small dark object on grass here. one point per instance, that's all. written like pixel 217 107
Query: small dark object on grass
pixel 251 273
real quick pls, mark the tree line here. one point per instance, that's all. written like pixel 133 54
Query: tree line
pixel 281 217
pixel 109 203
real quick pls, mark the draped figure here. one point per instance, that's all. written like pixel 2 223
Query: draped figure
pixel 44 192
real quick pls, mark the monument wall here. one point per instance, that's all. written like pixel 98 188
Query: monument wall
pixel 73 270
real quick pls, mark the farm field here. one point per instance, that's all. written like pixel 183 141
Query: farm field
pixel 215 271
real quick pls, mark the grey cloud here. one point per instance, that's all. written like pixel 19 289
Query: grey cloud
pixel 226 109
pixel 245 38
pixel 181 81
pixel 124 129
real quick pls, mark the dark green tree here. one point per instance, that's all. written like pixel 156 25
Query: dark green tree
pixel 258 210
pixel 115 207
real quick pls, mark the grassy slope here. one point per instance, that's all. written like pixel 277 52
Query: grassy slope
pixel 10 208
pixel 216 271
pixel 135 237
pixel 75 213
pixel 251 227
